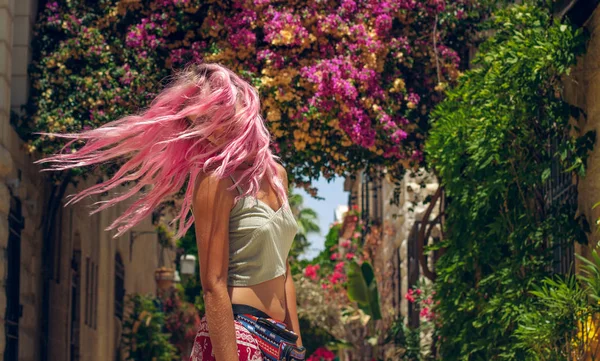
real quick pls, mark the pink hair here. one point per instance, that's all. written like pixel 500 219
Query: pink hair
pixel 163 148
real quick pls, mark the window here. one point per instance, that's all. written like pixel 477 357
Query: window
pixel 371 200
pixel 56 245
pixel 75 304
pixel 119 286
pixel 13 305
pixel 560 192
pixel 414 273
pixel 95 298
pixel 87 291
pixel 91 292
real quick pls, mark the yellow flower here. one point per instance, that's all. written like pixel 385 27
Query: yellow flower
pixel 285 96
pixel 411 105
pixel 397 86
pixel 300 145
pixel 298 134
pixel 286 35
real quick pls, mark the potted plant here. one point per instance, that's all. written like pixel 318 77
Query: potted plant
pixel 164 277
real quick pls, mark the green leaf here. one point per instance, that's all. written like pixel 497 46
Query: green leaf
pixel 367 272
pixel 362 288
pixel 357 286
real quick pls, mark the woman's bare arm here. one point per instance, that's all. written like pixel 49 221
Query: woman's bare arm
pixel 211 206
pixel 291 311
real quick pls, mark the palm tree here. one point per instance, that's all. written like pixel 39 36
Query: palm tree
pixel 307 220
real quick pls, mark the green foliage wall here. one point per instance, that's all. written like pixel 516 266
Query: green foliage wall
pixel 490 145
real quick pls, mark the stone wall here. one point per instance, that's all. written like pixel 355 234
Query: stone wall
pixel 76 231
pixel 18 177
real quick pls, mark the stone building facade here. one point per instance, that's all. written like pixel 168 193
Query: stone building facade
pixel 392 230
pixel 61 294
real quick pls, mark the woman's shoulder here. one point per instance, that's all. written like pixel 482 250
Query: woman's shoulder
pixel 282 174
pixel 211 185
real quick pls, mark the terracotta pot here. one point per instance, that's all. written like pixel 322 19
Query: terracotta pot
pixel 164 278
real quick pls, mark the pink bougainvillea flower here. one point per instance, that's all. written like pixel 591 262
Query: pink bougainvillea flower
pixel 339 266
pixel 336 277
pixel 410 296
pixel 321 354
pixel 346 243
pixel 336 77
pixel 350 255
pixel 311 271
pixel 334 256
pixel 427 313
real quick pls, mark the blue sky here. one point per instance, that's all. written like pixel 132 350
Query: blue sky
pixel 334 196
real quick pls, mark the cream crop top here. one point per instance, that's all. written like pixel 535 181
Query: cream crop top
pixel 260 240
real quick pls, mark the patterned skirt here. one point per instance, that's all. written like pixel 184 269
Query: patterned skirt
pixel 248 349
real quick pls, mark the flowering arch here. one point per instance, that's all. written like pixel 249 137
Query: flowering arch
pixel 343 83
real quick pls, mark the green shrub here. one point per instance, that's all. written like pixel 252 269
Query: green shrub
pixel 490 145
pixel 143 336
pixel 564 326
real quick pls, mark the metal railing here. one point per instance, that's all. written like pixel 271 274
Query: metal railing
pixel 560 191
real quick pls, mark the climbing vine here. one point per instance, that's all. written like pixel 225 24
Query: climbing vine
pixel 491 145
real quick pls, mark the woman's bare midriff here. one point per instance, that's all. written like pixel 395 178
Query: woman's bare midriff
pixel 268 297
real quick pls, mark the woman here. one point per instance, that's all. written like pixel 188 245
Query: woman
pixel 205 133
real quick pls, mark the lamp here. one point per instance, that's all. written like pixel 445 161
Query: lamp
pixel 187 263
